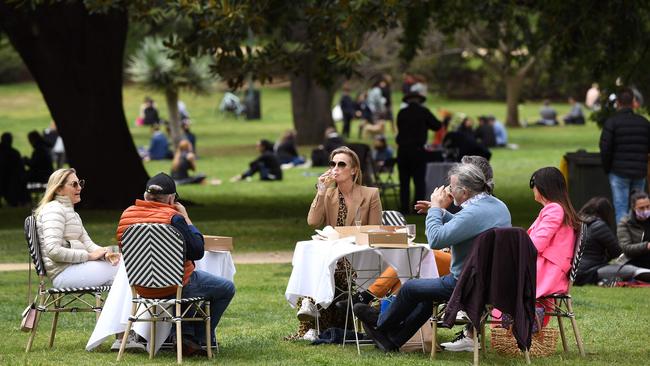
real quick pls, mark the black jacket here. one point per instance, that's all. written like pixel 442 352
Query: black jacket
pixel 601 247
pixel 624 144
pixel 413 123
pixel 500 271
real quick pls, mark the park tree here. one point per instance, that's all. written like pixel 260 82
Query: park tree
pixel 153 67
pixel 76 58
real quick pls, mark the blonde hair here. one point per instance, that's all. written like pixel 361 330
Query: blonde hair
pixel 183 146
pixel 355 161
pixel 56 181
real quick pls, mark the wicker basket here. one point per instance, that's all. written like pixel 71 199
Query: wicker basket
pixel 544 343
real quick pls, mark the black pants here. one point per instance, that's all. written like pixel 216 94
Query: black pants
pixel 412 164
pixel 347 120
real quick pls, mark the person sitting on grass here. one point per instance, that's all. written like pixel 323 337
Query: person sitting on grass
pixel 413 305
pixel 184 161
pixel 602 246
pixel 633 231
pixel 266 164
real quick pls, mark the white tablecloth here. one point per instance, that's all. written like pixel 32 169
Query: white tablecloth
pixel 117 307
pixel 314 263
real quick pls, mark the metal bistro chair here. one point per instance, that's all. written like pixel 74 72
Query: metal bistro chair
pixel 561 303
pixel 154 256
pixel 387 186
pixel 56 300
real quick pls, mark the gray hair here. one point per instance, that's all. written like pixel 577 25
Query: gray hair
pixel 157 197
pixel 483 164
pixel 471 178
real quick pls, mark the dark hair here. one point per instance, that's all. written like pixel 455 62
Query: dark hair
pixel 35 138
pixel 635 196
pixel 601 208
pixel 625 97
pixel 266 145
pixel 7 139
pixel 551 185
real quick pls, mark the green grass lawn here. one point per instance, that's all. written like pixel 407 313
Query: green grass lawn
pixel 272 216
pixel 613 322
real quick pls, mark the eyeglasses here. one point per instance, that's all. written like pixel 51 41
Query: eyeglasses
pixel 531 184
pixel 76 184
pixel 340 164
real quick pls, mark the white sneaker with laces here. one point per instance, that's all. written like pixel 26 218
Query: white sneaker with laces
pixel 308 310
pixel 131 343
pixel 310 335
pixel 462 343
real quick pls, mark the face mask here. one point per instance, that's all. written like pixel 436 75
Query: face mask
pixel 642 215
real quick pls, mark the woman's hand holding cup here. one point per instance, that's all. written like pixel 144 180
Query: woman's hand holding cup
pixel 324 180
pixel 97 254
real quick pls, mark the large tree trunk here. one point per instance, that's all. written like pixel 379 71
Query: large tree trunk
pixel 171 96
pixel 513 92
pixel 76 59
pixel 311 106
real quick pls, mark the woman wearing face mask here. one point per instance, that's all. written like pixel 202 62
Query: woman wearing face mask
pixel 634 231
pixel 553 232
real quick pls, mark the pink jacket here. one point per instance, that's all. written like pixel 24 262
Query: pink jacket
pixel 553 239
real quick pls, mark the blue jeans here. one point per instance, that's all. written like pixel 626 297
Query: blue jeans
pixel 413 306
pixel 216 289
pixel 621 189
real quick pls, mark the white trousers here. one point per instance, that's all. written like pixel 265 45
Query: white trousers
pixel 90 273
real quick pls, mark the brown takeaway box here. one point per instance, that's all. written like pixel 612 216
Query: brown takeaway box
pixel 375 235
pixel 218 243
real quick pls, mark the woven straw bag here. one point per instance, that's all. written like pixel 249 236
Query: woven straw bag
pixel 544 343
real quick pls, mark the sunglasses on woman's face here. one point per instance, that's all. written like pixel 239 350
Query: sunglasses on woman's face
pixel 340 164
pixel 77 183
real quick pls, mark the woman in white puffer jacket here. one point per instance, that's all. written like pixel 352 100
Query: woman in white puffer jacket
pixel 70 257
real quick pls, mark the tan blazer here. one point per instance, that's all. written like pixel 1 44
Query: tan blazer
pixel 324 209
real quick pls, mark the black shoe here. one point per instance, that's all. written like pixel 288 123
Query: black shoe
pixel 363 297
pixel 380 338
pixel 367 314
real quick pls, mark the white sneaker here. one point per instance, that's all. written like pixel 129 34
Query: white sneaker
pixel 131 343
pixel 462 343
pixel 310 335
pixel 308 310
pixel 461 316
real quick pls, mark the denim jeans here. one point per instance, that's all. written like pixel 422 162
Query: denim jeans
pixel 621 189
pixel 216 289
pixel 413 306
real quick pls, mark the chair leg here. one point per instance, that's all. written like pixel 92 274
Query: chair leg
pixel 483 348
pixel 179 335
pixel 434 332
pixel 98 305
pixel 55 320
pixel 574 324
pixel 179 342
pixel 152 334
pixel 560 324
pixel 527 355
pixel 476 351
pixel 208 336
pixel 125 336
pixel 32 335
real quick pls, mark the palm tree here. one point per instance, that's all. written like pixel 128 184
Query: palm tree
pixel 153 66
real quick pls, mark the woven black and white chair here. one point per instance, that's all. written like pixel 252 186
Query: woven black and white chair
pixel 154 256
pixel 560 305
pixel 392 218
pixel 57 300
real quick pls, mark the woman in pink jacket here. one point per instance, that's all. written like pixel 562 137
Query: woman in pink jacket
pixel 553 232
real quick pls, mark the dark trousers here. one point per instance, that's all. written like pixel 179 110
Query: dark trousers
pixel 347 120
pixel 413 306
pixel 412 164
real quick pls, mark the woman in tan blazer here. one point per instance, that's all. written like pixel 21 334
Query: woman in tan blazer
pixel 341 198
pixel 340 201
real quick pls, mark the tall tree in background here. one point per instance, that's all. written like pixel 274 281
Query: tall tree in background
pixel 76 58
pixel 153 67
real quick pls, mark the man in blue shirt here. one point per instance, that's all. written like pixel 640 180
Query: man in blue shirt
pixel 413 306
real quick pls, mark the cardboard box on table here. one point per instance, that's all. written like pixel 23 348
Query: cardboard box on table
pixel 375 235
pixel 215 243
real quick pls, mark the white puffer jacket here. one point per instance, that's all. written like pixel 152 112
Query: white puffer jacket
pixel 64 240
